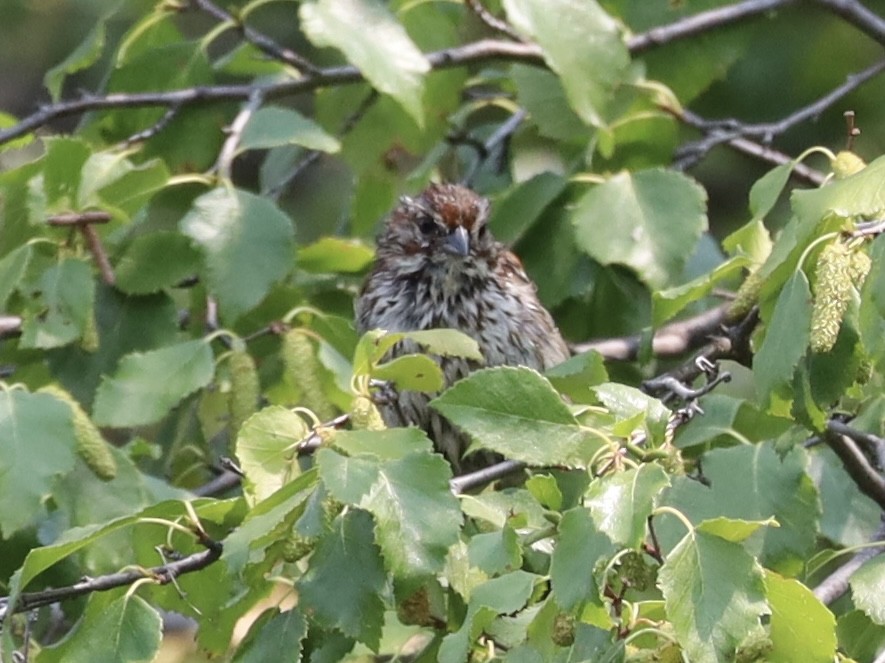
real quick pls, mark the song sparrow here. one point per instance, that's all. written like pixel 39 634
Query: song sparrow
pixel 437 265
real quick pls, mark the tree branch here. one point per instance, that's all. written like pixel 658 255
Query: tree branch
pixel 671 340
pixel 836 584
pixel 162 575
pixel 229 150
pixel 702 22
pixel 843 440
pixel 859 16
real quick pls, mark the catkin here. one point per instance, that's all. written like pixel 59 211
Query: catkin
pixel 245 390
pixel 364 414
pixel 91 446
pixel 860 267
pixel 832 293
pixel 746 297
pixel 303 368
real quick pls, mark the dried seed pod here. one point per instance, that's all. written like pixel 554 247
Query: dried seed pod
pixel 91 446
pixel 832 293
pixel 302 366
pixel 245 389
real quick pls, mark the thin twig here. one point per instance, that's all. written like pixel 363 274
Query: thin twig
pixel 491 20
pixel 498 138
pixel 154 129
pixel 773 156
pixel 718 132
pixel 261 41
pixel 859 16
pixel 702 22
pixel 95 247
pixel 162 575
pixel 463 483
pixel 235 132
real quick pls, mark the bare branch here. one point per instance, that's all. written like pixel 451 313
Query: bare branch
pixel 836 584
pixel 162 575
pixel 770 155
pixel 671 340
pixel 723 131
pixel 261 41
pixel 461 484
pixel 842 439
pixel 10 325
pixel 859 16
pixel 154 129
pixel 702 22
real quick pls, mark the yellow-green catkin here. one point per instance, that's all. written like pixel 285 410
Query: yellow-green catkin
pixel 245 388
pixel 364 414
pixel 304 370
pixel 89 340
pixel 832 292
pixel 91 446
pixel 746 297
pixel 846 164
pixel 860 267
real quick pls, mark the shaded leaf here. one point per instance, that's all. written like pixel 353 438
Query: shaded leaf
pixel 335 254
pixel 12 269
pixel 65 297
pixel 710 625
pixel 272 633
pixel 272 126
pixel 83 56
pixel 661 215
pixel 667 303
pixel 248 244
pixel 120 628
pixel 868 588
pixel 581 547
pixel 37 443
pixel 147 385
pixel 341 587
pixel 156 261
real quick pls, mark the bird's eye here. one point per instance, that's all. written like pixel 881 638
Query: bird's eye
pixel 427 225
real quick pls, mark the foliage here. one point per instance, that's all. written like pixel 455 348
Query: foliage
pixel 650 524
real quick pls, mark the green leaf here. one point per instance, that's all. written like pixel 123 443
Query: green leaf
pixel 389 444
pixel 868 588
pixel 503 595
pixel 582 44
pixel 371 39
pixel 871 316
pixel 415 372
pixel 753 483
pixel 581 548
pixel 375 344
pixel 751 240
pixel 7 121
pixel 416 516
pixel 630 405
pixel 785 342
pixel 248 244
pixel 733 529
pixel 110 180
pixel 857 195
pixel 516 412
pixel 513 214
pixel 266 449
pixel 65 296
pixel 768 188
pixel 36 445
pixel 114 627
pixel 156 261
pixel 621 503
pixel 544 488
pixel 660 217
pixel 667 303
pixel 577 375
pixel 710 625
pixel 272 126
pixel 85 55
pixel 262 525
pixel 62 166
pixel 147 385
pixel 495 552
pixel 803 630
pixel 271 634
pixel 341 587
pixel 336 255
pixel 12 270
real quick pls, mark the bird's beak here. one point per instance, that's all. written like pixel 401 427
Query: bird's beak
pixel 458 242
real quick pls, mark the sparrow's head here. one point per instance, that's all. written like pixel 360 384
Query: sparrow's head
pixel 445 224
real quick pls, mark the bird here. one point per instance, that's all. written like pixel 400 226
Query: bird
pixel 437 265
